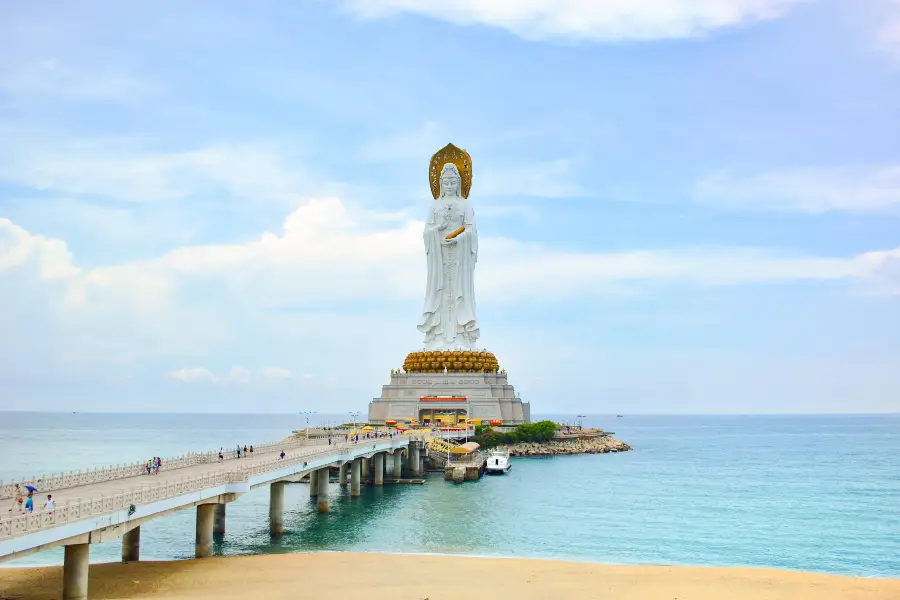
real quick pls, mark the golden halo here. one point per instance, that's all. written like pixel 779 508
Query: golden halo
pixel 463 162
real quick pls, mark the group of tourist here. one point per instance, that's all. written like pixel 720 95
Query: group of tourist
pixel 154 465
pixel 239 452
pixel 368 436
pixel 23 501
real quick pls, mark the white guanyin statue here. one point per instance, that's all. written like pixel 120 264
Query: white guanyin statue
pixel 451 250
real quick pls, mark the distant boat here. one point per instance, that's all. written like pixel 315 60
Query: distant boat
pixel 498 463
pixel 619 416
pixel 581 416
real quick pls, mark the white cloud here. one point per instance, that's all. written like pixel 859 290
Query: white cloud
pixel 53 77
pixel 235 374
pixel 277 373
pixel 811 190
pixel 594 20
pixel 310 286
pixel 887 37
pixel 112 168
pixel 18 247
pixel 239 375
pixel 328 253
pixel 194 375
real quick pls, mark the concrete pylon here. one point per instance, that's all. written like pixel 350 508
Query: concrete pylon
pixel 219 520
pixel 398 464
pixel 322 484
pixel 313 487
pixel 342 474
pixel 355 468
pixel 378 467
pixel 276 509
pixel 131 545
pixel 366 467
pixel 75 572
pixel 204 530
pixel 414 459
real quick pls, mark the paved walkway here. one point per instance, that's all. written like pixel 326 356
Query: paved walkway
pixel 81 493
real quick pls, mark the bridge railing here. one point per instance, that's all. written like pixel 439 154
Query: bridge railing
pixel 148 491
pixel 59 481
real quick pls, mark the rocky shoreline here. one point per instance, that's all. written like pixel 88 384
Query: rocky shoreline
pixel 597 445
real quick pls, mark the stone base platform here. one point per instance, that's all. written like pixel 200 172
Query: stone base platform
pixel 419 396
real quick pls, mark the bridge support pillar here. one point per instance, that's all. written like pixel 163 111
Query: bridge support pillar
pixel 219 520
pixel 378 459
pixel 131 545
pixel 75 572
pixel 355 468
pixel 313 484
pixel 365 467
pixel 204 530
pixel 276 509
pixel 322 483
pixel 342 474
pixel 398 464
pixel 413 459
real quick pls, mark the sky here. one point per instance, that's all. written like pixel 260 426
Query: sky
pixel 684 206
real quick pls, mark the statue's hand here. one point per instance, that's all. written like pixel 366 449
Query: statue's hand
pixel 447 242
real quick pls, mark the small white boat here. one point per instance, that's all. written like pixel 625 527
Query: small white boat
pixel 498 462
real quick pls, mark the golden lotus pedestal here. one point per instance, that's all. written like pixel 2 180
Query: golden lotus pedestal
pixel 447 386
pixel 451 361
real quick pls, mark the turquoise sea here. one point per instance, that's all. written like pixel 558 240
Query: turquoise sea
pixel 814 493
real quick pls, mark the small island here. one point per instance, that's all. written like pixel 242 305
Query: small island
pixel 546 438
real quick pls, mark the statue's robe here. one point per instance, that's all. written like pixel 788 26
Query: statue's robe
pixel 448 316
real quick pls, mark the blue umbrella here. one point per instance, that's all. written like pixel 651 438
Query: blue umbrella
pixel 31 488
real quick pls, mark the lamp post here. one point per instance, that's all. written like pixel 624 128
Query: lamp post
pixel 355 415
pixel 307 413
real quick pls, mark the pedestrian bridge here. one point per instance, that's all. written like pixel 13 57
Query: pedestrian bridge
pixel 104 504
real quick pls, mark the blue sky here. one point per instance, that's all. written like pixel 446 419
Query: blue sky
pixel 684 206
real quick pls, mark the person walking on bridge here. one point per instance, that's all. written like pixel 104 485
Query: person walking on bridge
pixel 18 499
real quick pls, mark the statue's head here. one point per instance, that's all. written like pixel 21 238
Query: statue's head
pixel 450 181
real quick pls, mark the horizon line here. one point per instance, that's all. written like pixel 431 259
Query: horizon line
pixel 604 414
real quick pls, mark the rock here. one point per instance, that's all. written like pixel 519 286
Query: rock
pixel 594 445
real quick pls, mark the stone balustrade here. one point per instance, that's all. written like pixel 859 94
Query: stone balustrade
pixel 66 513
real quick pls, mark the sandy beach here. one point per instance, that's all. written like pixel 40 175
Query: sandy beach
pixel 402 577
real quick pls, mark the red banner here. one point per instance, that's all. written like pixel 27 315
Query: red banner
pixel 442 399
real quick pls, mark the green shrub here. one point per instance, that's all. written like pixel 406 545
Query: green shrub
pixel 542 431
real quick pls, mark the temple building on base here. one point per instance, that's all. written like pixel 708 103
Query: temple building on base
pixel 448 398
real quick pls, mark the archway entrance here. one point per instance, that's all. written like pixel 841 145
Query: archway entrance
pixel 442 417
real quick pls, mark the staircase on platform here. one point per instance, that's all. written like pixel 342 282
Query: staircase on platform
pixel 438 449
